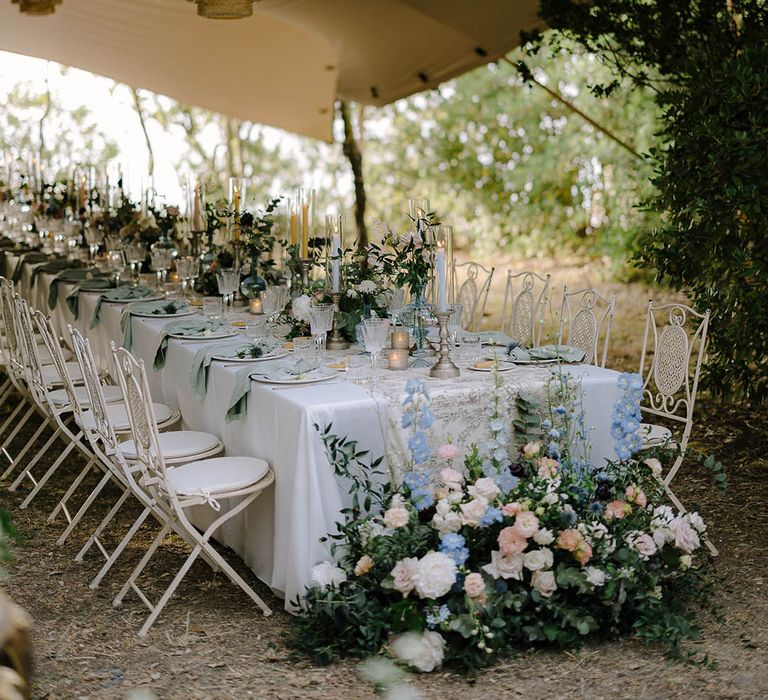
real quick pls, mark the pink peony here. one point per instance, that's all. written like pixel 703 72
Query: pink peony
pixel 569 540
pixel 544 582
pixel 511 541
pixel 510 509
pixel 474 587
pixel 547 467
pixel 686 538
pixel 582 553
pixel 526 523
pixel 448 451
pixel 472 512
pixel 402 575
pixel 617 509
pixel 643 544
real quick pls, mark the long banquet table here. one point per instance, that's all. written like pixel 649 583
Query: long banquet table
pixel 278 536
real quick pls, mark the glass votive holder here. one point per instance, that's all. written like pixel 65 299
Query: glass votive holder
pixel 401 339
pixel 256 306
pixel 256 328
pixel 304 347
pixel 212 307
pixel 397 358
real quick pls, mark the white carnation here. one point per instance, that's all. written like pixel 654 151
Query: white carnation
pixel 596 577
pixel 327 574
pixel 422 650
pixel 366 287
pixel 543 537
pixel 435 574
pixel 696 522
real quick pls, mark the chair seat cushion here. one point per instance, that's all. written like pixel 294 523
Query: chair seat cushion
pixel 112 394
pixel 118 416
pixel 654 435
pixel 177 444
pixel 51 375
pixel 45 355
pixel 217 475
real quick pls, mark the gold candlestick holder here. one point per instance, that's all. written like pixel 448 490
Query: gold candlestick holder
pixel 444 367
pixel 306 266
pixel 194 243
pixel 336 339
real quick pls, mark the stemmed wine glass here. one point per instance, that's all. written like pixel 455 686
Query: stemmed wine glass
pixel 320 322
pixel 273 301
pixel 194 271
pixel 375 336
pixel 93 239
pixel 116 264
pixel 228 280
pixel 135 252
pixel 161 261
pixel 182 270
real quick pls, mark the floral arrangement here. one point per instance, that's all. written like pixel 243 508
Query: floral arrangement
pixel 480 552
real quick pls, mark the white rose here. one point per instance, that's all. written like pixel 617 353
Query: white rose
pixel 538 559
pixel 422 650
pixel 402 575
pixel 396 517
pixel 301 306
pixel 327 574
pixel 544 582
pixel 445 519
pixel 526 523
pixel 472 512
pixel 505 567
pixel 484 488
pixel 595 577
pixel 434 576
pixel 543 537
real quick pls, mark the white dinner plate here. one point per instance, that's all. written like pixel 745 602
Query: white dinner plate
pixel 321 374
pixel 215 335
pixel 123 300
pixel 276 354
pixel 548 361
pixel 178 314
pixel 502 367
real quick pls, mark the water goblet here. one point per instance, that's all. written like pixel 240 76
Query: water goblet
pixel 320 322
pixel 161 261
pixel 116 264
pixel 93 239
pixel 182 270
pixel 228 280
pixel 375 337
pixel 135 252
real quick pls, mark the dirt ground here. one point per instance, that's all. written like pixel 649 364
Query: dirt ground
pixel 211 642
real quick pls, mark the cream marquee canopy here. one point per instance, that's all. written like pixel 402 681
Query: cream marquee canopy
pixel 287 63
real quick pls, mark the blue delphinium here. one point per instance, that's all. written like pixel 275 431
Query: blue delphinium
pixel 454 546
pixel 420 491
pixel 437 615
pixel 626 417
pixel 419 448
pixel 491 515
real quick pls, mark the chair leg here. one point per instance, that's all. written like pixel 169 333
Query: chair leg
pixel 119 549
pixel 84 508
pixel 102 526
pixel 44 478
pixel 15 431
pixel 238 580
pixel 15 463
pixel 8 421
pixel 35 459
pixel 131 582
pixel 169 591
pixel 62 504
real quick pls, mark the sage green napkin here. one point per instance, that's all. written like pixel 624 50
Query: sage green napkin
pixel 32 258
pixel 495 338
pixel 55 266
pixel 156 308
pixel 186 326
pixel 198 373
pixel 97 283
pixel 68 276
pixel 119 293
pixel 565 353
pixel 237 407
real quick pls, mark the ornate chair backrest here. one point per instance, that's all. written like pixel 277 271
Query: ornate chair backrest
pixel 103 431
pixel 28 352
pixel 670 364
pixel 472 294
pixel 585 316
pixel 132 379
pixel 14 365
pixel 522 316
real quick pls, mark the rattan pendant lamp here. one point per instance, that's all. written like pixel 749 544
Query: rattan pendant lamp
pixel 224 9
pixel 37 8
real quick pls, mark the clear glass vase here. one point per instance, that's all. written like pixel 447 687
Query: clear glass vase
pixel 254 284
pixel 417 317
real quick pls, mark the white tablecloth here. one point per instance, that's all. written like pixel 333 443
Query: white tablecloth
pixel 278 535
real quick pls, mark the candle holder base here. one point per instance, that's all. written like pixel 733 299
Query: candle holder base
pixel 306 266
pixel 336 340
pixel 421 359
pixel 444 368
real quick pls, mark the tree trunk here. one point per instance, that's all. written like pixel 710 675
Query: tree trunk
pixel 41 123
pixel 351 150
pixel 140 111
pixel 234 148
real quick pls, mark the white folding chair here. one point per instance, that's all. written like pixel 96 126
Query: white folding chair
pixel 205 482
pixel 525 300
pixel 670 364
pixel 583 328
pixel 472 293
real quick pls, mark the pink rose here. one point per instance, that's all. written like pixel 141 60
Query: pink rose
pixel 686 538
pixel 511 542
pixel 474 586
pixel 402 575
pixel 617 509
pixel 505 567
pixel 547 467
pixel 531 450
pixel 654 465
pixel 364 565
pixel 472 512
pixel 510 509
pixel 526 523
pixel 569 540
pixel 544 582
pixel 582 553
pixel 448 451
pixel 641 499
pixel 630 492
pixel 643 544
pixel 451 477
